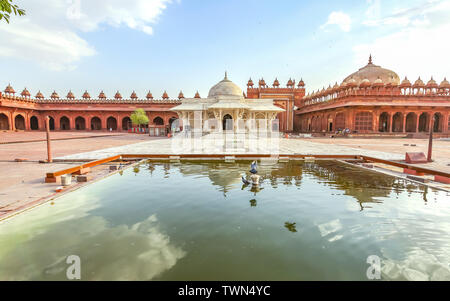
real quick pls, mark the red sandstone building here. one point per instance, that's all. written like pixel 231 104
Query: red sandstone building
pixel 371 100
pixel 374 100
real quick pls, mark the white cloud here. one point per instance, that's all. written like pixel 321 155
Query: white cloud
pixel 50 32
pixel 340 19
pixel 416 47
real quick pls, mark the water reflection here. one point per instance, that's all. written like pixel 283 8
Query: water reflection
pixel 137 252
pixel 291 226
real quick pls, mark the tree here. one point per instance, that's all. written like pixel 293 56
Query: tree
pixel 139 117
pixel 7 8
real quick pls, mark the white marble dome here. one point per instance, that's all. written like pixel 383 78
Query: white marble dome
pixel 225 88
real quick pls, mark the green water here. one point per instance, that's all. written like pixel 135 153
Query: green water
pixel 195 221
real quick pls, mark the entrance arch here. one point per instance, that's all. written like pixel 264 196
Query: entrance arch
pixel 227 123
pixel 384 122
pixel 80 123
pixel 51 123
pixel 34 123
pixel 126 123
pixel 330 123
pixel 437 126
pixel 397 122
pixel 411 122
pixel 423 122
pixel 111 123
pixel 4 122
pixel 96 124
pixel 158 121
pixel 19 122
pixel 64 123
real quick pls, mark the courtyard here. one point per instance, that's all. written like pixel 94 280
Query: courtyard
pixel 22 183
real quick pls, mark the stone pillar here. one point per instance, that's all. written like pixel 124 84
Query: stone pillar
pixel 391 121
pixel 404 122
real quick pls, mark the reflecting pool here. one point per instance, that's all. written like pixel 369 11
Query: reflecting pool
pixel 196 221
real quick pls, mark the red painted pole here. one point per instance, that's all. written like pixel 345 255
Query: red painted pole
pixel 49 149
pixel 430 141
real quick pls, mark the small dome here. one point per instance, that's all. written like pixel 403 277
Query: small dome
pixel 197 95
pixel 290 83
pixel 149 95
pixel 181 95
pixel 134 95
pixel 405 83
pixel 432 83
pixel 25 93
pixel 301 83
pixel 262 83
pixel 378 83
pixel 117 95
pixel 102 95
pixel 351 82
pixel 444 84
pixel 336 87
pixel 54 95
pixel 365 83
pixel 70 95
pixel 225 88
pixel 276 83
pixel 372 72
pixel 419 83
pixel 250 83
pixel 86 95
pixel 9 89
pixel 39 95
pixel 165 95
pixel 329 89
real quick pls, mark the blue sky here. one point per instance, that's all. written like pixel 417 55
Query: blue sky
pixel 188 44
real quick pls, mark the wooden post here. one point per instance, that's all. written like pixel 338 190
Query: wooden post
pixel 49 149
pixel 430 141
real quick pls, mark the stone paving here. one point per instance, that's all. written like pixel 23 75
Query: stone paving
pixel 215 145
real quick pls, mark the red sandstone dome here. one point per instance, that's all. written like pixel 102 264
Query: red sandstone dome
pixel 54 95
pixel 134 96
pixel 149 95
pixel 432 83
pixel 181 95
pixel 197 95
pixel 419 83
pixel 165 95
pixel 118 96
pixel 9 89
pixel 102 95
pixel 86 95
pixel 378 83
pixel 39 95
pixel 25 93
pixel 336 87
pixel 276 83
pixel 351 82
pixel 372 72
pixel 250 83
pixel 290 83
pixel 301 83
pixel 405 83
pixel 70 95
pixel 444 84
pixel 262 83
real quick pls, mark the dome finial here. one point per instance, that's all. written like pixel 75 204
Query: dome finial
pixel 226 75
pixel 370 59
